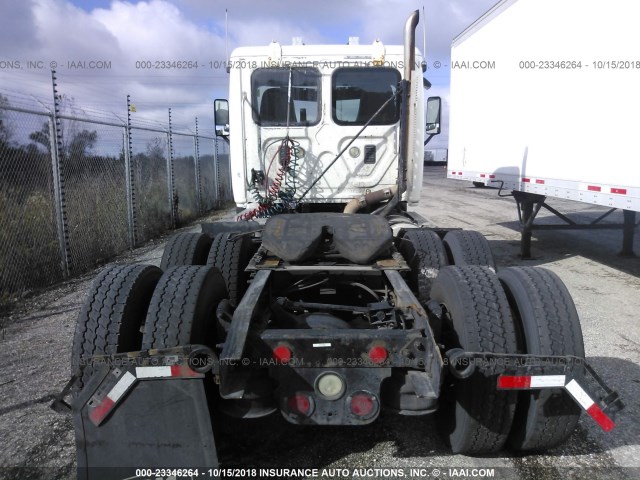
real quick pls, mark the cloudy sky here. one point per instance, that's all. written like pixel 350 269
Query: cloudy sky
pixel 69 32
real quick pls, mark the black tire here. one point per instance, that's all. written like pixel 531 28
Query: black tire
pixel 474 417
pixel 424 252
pixel 186 249
pixel 478 184
pixel 230 253
pixel 112 314
pixel 182 309
pixel 550 326
pixel 468 247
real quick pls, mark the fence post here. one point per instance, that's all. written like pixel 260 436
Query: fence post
pixel 55 141
pixel 130 178
pixel 173 204
pixel 197 167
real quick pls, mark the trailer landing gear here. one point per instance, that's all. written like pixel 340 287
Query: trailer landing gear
pixel 529 205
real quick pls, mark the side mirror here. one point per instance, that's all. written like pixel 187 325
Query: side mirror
pixel 221 117
pixel 433 115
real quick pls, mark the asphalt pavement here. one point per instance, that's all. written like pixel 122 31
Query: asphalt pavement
pixel 35 347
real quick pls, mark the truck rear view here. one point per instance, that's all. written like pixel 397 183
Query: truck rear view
pixel 325 317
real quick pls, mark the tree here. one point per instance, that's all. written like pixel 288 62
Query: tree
pixel 42 136
pixel 82 143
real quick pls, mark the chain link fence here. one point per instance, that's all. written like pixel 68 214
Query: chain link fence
pixel 78 188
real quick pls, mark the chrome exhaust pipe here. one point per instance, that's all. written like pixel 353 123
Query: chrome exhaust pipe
pixel 410 44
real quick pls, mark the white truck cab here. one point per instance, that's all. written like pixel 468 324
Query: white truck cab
pixel 320 97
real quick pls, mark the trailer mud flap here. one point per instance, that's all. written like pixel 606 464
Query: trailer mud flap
pixel 534 372
pixel 143 416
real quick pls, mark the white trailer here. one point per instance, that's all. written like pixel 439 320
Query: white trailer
pixel 435 155
pixel 545 102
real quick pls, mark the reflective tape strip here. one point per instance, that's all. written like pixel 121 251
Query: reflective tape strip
pixel 619 191
pixel 153 372
pixel 591 407
pixel 106 405
pixel 101 411
pixel 600 417
pixel 121 387
pixel 319 345
pixel 543 381
pixel 184 371
pixel 594 188
pixel 514 381
pixel 524 382
pixel 578 393
pixel 167 372
pixel 526 180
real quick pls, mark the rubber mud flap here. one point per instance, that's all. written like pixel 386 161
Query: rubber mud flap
pixel 160 423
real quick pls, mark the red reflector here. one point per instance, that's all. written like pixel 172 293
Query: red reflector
pixel 453 173
pixel 282 354
pixel 526 180
pixel 183 371
pixel 362 404
pixel 378 354
pixel 600 417
pixel 301 404
pixel 492 176
pixel 620 191
pixel 482 175
pixel 594 188
pixel 101 411
pixel 508 381
pixel 540 181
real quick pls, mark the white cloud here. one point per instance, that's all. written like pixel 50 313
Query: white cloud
pixel 193 30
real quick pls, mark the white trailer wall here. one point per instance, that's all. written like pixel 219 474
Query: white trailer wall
pixel 569 132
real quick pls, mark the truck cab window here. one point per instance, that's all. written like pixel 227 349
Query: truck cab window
pixel 270 92
pixel 357 93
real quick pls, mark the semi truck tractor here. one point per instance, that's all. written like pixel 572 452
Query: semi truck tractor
pixel 327 301
pixel 544 105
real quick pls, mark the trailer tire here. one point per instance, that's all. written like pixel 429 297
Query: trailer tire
pixel 183 306
pixel 424 252
pixel 550 325
pixel 468 247
pixel 186 249
pixel 230 253
pixel 474 417
pixel 111 316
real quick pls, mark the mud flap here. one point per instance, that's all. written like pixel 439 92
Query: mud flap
pixel 535 372
pixel 129 418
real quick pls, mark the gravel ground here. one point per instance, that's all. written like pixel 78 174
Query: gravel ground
pixel 35 344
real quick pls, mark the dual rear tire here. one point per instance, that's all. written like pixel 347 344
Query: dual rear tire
pixel 521 310
pixel 134 307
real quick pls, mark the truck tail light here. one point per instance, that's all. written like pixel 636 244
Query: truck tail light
pixel 282 354
pixel 364 404
pixel 301 404
pixel 378 354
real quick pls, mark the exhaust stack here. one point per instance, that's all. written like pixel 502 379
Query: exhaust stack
pixel 410 44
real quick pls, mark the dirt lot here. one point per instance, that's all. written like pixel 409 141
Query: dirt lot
pixel 35 345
